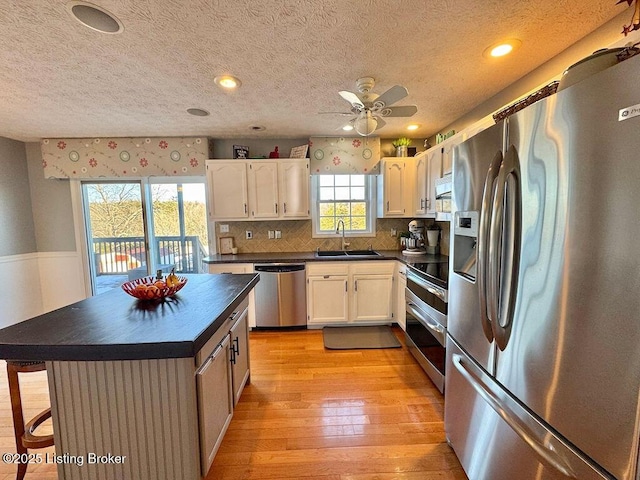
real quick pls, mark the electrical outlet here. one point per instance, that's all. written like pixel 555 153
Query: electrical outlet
pixel 394 232
pixel 272 234
pixel 248 234
pixel 278 234
pixel 224 228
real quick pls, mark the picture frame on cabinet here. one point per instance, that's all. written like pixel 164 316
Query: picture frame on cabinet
pixel 240 152
pixel 299 152
pixel 226 245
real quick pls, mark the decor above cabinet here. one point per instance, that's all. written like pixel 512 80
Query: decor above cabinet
pixel 258 189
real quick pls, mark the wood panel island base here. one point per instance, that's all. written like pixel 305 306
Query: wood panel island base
pixel 141 391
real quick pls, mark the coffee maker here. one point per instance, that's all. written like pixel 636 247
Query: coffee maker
pixel 415 242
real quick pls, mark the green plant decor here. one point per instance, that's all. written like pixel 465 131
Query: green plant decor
pixel 401 142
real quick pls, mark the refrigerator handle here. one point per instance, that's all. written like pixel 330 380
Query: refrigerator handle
pixel 483 242
pixel 504 250
pixel 546 447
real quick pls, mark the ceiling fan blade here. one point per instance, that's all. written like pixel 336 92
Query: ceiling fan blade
pixel 381 122
pixel 336 113
pixel 401 111
pixel 352 98
pixel 395 93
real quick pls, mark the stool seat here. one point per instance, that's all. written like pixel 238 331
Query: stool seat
pixel 25 433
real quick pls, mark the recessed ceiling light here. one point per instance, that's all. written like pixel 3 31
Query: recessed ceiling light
pixel 347 128
pixel 198 112
pixel 503 48
pixel 413 126
pixel 227 82
pixel 257 128
pixel 95 17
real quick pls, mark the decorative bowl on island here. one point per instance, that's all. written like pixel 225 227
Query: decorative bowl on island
pixel 150 288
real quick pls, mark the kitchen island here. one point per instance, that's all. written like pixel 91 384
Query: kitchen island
pixel 133 385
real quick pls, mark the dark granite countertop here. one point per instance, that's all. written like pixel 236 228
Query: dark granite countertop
pixel 291 257
pixel 116 326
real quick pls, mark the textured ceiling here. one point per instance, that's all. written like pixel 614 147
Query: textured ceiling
pixel 61 79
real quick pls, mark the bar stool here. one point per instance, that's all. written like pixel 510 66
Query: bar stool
pixel 25 436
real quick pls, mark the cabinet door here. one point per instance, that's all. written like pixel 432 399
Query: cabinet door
pixel 215 402
pixel 372 298
pixel 263 189
pixel 401 284
pixel 239 355
pixel 434 173
pixel 294 188
pixel 394 178
pixel 227 182
pixel 447 157
pixel 327 300
pixel 421 196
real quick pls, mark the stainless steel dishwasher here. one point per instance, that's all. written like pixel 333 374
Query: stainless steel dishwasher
pixel 281 295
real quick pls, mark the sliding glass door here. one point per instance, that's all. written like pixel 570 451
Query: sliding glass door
pixel 137 228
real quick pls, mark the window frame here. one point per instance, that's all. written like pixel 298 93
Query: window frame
pixel 370 200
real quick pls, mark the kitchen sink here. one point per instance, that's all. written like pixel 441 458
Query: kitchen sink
pixel 331 253
pixel 347 253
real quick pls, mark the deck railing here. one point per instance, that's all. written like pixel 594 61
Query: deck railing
pixel 118 255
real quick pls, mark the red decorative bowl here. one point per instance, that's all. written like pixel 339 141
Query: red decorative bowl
pixel 148 288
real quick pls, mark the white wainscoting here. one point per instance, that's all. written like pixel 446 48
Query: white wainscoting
pixel 20 294
pixel 35 283
pixel 61 279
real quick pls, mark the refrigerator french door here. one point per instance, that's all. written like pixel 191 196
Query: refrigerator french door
pixel 543 357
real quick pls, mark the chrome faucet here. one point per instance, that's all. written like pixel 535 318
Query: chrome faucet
pixel 344 244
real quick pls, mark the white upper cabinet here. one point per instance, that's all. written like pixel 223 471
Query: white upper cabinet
pixel 395 188
pixel 227 183
pixel 258 189
pixel 263 190
pixel 293 185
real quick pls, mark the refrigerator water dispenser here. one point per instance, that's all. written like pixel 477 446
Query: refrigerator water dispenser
pixel 465 237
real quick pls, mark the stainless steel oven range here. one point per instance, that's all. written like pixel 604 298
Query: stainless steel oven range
pixel 426 298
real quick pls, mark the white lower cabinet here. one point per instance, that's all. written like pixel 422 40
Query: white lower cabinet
pixel 327 299
pixel 239 354
pixel 222 371
pixel 349 292
pixel 401 284
pixel 215 401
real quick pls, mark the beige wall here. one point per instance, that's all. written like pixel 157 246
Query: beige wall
pixel 296 236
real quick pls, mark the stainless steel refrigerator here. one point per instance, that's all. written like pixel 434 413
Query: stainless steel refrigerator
pixel 543 348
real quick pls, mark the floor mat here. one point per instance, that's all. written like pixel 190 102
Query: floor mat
pixel 349 338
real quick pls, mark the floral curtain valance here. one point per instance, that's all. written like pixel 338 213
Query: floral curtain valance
pixel 353 155
pixel 124 157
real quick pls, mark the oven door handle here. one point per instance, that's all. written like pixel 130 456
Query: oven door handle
pixel 427 321
pixel 427 286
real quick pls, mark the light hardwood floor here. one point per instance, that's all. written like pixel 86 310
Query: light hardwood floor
pixel 309 413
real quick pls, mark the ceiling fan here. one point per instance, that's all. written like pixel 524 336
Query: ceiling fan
pixel 369 108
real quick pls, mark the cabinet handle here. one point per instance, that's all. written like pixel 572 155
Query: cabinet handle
pixel 387 205
pixel 422 203
pixel 276 208
pixel 427 202
pixel 326 276
pixel 346 286
pixel 245 208
pixel 284 205
pixel 355 285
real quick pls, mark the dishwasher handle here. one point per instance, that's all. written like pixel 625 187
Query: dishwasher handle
pixel 279 267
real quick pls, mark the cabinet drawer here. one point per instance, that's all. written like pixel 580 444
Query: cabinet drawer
pixel 230 268
pixel 373 268
pixel 327 268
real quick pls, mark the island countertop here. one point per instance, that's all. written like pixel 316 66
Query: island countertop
pixel 116 326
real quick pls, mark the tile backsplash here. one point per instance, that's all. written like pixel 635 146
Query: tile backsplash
pixel 297 237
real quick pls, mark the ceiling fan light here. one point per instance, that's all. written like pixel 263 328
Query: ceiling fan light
pixel 347 128
pixel 365 125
